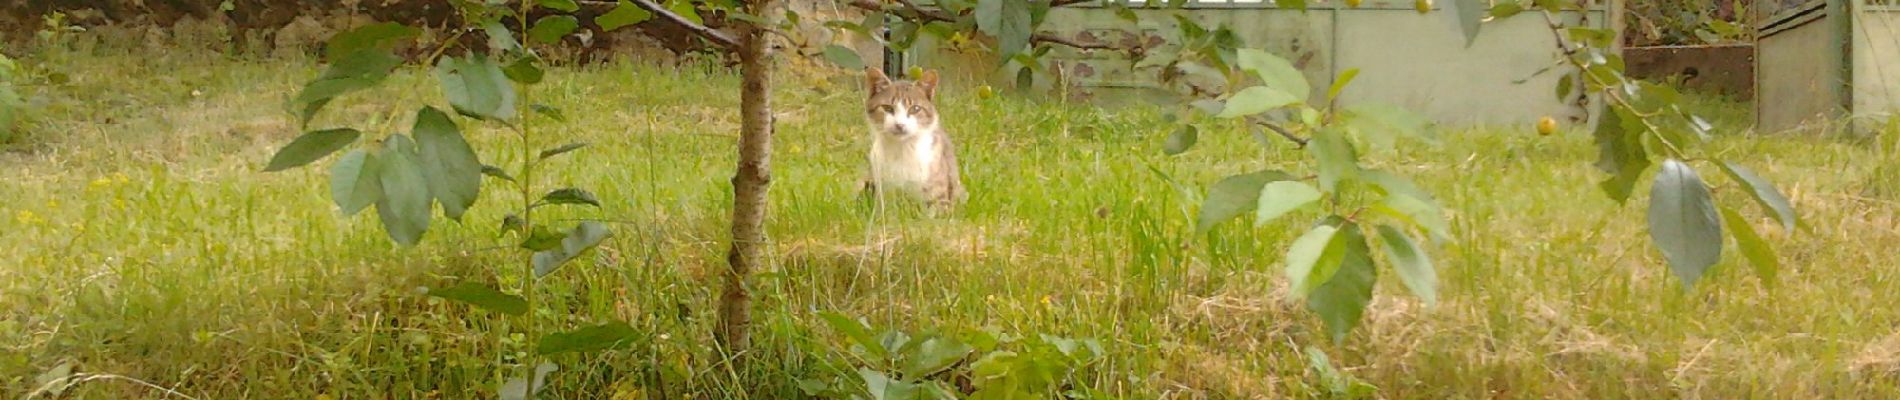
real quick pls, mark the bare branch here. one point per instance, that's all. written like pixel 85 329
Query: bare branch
pixel 1043 37
pixel 718 37
pixel 1283 133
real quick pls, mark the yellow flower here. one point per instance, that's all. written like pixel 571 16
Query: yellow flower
pixel 1046 300
pixel 52 203
pixel 100 183
pixel 26 217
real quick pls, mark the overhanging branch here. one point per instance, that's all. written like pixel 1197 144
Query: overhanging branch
pixel 911 8
pixel 718 37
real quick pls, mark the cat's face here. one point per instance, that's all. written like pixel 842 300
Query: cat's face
pixel 901 108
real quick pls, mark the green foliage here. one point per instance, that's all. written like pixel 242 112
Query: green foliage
pixel 1281 197
pixel 406 175
pixel 1008 21
pixel 356 181
pixel 477 87
pixel 1641 121
pixel 1234 196
pixel 12 105
pixel 404 207
pixel 1683 221
pixel 585 236
pixel 311 147
pixel 476 294
pixel 1412 263
pixel 903 365
pixel 454 173
pixel 623 14
pixel 590 339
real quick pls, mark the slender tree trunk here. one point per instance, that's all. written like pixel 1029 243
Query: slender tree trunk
pixel 749 184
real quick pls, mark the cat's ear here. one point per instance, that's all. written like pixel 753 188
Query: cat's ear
pixel 929 82
pixel 874 79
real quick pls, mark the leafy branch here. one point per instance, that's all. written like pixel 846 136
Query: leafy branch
pixel 1643 121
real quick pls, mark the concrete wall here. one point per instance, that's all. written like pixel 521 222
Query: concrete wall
pixel 1876 55
pixel 1799 71
pixel 1420 62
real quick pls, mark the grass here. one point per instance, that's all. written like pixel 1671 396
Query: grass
pixel 140 242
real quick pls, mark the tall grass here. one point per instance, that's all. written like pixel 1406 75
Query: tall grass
pixel 141 241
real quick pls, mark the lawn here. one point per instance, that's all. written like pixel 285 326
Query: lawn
pixel 141 245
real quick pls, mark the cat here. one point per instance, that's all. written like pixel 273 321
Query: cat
pixel 910 152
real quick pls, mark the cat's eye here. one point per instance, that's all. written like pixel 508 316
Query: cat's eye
pixel 916 109
pixel 887 109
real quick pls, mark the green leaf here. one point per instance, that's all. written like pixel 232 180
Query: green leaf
pixel 1255 100
pixel 1006 20
pixel 382 36
pixel 1413 265
pixel 1342 299
pixel 585 236
pixel 1338 161
pixel 542 239
pixel 404 208
pixel 1339 85
pixel 550 29
pixel 310 147
pixel 623 14
pixel 476 87
pixel 856 331
pixel 453 171
pixel 519 388
pixel 882 387
pixel 1756 250
pixel 1408 202
pixel 1276 72
pixel 1391 120
pixel 563 5
pixel 1292 4
pixel 500 39
pixel 1470 14
pixel 1506 9
pixel 475 294
pixel 843 57
pixel 562 150
pixel 570 196
pixel 1025 79
pixel 513 223
pixel 1683 221
pixel 1764 193
pixel 1564 86
pixel 590 339
pixel 1310 257
pixel 1280 197
pixel 1233 196
pixel 496 172
pixel 684 8
pixel 934 355
pixel 1620 153
pixel 354 181
pixel 359 70
pixel 1181 140
pixel 524 71
pixel 549 111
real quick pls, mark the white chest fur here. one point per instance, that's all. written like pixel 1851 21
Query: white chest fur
pixel 904 162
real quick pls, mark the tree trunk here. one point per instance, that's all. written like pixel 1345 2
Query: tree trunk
pixel 749 184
